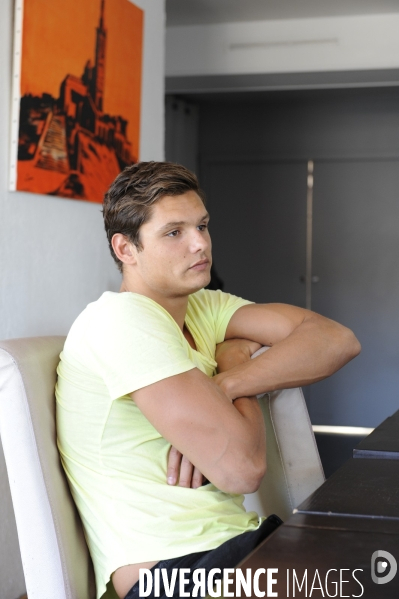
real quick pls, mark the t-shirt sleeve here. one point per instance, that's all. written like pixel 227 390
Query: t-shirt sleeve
pixel 222 306
pixel 133 345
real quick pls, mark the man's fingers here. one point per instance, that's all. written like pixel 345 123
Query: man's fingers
pixel 186 473
pixel 174 461
pixel 181 470
pixel 197 479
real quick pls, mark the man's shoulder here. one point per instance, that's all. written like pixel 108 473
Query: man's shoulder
pixel 214 301
pixel 207 298
pixel 94 312
pixel 127 340
pixel 114 316
pixel 211 311
pixel 112 305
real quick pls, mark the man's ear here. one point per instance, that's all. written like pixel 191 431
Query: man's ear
pixel 124 249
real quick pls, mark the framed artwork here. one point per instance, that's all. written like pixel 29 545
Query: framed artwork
pixel 76 95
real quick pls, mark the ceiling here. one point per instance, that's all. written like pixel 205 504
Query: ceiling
pixel 196 12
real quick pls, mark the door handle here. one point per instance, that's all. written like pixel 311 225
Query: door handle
pixel 314 279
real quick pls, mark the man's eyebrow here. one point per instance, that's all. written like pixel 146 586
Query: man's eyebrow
pixel 179 223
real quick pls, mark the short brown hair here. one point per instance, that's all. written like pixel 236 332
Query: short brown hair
pixel 128 201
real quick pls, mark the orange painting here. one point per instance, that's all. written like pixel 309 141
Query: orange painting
pixel 81 69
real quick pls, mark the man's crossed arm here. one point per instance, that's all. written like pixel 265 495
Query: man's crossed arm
pixel 305 348
pixel 225 441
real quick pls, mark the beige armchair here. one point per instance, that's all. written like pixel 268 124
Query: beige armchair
pixel 54 554
pixel 55 558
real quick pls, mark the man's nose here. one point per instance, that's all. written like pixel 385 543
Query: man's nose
pixel 199 241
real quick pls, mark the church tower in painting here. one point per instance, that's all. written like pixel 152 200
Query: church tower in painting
pixel 99 69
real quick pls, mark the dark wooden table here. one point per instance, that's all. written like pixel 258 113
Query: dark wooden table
pixel 367 487
pixel 329 542
pixel 317 545
pixel 383 442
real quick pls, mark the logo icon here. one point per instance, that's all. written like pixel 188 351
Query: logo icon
pixel 383 567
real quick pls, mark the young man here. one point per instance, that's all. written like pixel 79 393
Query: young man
pixel 142 414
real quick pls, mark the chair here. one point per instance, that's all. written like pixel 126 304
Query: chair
pixel 294 468
pixel 55 557
pixel 54 553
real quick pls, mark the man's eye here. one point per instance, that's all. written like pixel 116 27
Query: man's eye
pixel 202 227
pixel 173 233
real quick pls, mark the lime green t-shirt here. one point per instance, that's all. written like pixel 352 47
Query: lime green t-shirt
pixel 115 460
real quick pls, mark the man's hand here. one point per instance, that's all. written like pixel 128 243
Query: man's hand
pixel 233 352
pixel 182 471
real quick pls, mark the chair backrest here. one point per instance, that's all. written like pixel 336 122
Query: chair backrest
pixel 294 468
pixel 54 553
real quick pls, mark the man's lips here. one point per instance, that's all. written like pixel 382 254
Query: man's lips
pixel 200 265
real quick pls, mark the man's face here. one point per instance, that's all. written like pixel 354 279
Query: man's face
pixel 176 256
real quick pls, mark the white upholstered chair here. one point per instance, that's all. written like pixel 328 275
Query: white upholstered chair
pixel 55 557
pixel 294 468
pixel 54 554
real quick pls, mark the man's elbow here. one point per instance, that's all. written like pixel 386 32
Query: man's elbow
pixel 350 344
pixel 344 346
pixel 253 482
pixel 243 480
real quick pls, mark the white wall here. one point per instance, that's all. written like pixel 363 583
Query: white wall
pixel 285 46
pixel 54 257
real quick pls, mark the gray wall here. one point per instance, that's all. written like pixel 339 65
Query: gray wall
pixel 253 155
pixel 181 132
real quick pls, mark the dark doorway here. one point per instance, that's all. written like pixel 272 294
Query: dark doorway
pixel 253 151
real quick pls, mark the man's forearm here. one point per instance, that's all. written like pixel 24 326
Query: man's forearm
pixel 245 457
pixel 229 354
pixel 314 350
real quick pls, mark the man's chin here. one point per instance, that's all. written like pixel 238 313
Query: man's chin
pixel 198 284
pixel 206 280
